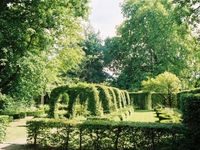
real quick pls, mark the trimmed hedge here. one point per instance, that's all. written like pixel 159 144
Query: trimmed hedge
pixel 4 120
pixel 141 100
pixel 96 99
pixel 100 135
pixel 191 119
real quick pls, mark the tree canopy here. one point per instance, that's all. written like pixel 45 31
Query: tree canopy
pixel 151 41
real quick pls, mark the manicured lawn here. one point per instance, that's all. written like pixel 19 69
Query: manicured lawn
pixel 143 116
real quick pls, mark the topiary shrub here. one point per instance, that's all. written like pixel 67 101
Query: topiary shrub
pixel 58 95
pixel 118 98
pixel 86 99
pixel 105 98
pixel 114 99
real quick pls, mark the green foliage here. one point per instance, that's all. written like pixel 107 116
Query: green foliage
pixel 105 98
pixel 191 118
pixel 101 134
pixel 168 115
pixel 38 44
pixel 149 42
pixel 91 69
pixel 4 120
pixel 87 99
pixel 141 100
pixel 166 83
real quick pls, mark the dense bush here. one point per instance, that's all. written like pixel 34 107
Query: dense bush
pixel 141 100
pixel 86 100
pixel 100 134
pixel 160 99
pixel 181 99
pixel 191 118
pixel 4 120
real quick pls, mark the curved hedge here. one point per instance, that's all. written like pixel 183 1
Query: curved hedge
pixel 97 100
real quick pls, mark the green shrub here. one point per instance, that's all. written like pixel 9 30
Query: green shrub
pixel 36 113
pixel 118 97
pixel 105 98
pixel 103 134
pixel 4 120
pixel 160 99
pixel 94 99
pixel 191 118
pixel 141 100
pixel 114 99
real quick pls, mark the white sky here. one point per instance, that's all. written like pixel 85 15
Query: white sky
pixel 105 16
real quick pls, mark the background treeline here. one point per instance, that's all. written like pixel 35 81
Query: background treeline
pixel 45 44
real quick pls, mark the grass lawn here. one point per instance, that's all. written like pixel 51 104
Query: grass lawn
pixel 143 116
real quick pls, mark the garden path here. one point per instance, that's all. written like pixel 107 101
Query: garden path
pixel 16 136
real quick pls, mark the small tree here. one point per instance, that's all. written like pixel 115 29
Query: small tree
pixel 165 83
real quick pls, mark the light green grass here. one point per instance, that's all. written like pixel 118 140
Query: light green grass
pixel 143 116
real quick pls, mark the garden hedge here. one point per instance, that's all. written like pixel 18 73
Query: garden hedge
pixel 87 100
pixel 4 120
pixel 141 100
pixel 100 135
pixel 149 100
pixel 191 119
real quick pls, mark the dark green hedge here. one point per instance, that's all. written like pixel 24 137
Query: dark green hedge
pixel 4 120
pixel 141 100
pixel 191 118
pixel 100 135
pixel 97 99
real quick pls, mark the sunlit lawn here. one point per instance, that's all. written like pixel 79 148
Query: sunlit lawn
pixel 143 116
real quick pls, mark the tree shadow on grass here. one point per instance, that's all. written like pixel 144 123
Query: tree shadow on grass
pixel 18 147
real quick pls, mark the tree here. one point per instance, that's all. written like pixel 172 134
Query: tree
pixel 38 42
pixel 91 69
pixel 149 42
pixel 165 83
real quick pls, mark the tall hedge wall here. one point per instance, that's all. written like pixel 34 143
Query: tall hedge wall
pixel 98 100
pixel 141 100
pixel 191 119
pixel 147 101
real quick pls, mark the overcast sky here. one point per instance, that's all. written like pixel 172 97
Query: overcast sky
pixel 105 16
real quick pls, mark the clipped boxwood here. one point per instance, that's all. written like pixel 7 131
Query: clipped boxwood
pixel 103 134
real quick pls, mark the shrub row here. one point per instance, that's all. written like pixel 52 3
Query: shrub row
pixel 86 99
pixel 148 101
pixel 4 120
pixel 100 135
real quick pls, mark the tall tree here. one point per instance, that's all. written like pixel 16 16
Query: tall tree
pixel 149 42
pixel 38 39
pixel 92 67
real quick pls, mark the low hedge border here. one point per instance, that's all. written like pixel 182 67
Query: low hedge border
pixel 95 134
pixel 4 120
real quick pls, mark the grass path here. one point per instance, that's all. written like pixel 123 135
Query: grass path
pixel 143 116
pixel 16 136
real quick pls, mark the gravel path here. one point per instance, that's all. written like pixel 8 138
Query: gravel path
pixel 16 136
